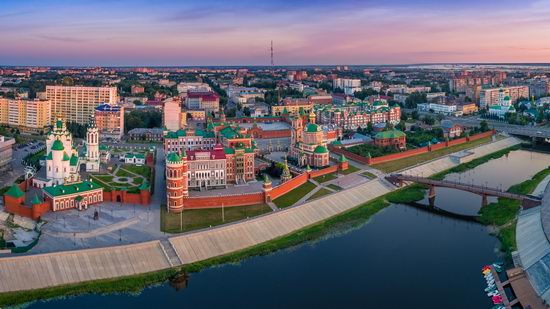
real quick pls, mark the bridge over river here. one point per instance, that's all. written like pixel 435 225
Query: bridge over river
pixel 527 201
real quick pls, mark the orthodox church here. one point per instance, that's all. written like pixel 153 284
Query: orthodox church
pixel 62 162
pixel 308 144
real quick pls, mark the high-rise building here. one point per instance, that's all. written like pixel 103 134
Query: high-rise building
pixel 77 103
pixel 26 115
pixel 172 115
pixel 109 120
pixel 493 96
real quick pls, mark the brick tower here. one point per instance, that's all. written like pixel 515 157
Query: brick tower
pixel 176 181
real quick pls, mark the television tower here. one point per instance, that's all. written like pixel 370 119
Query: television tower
pixel 272 54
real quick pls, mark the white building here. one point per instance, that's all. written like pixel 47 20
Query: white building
pixel 172 115
pixel 350 86
pixel 437 108
pixel 77 104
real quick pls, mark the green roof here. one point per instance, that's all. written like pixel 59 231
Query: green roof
pixel 79 198
pixel 71 188
pixel 144 186
pixel 74 160
pixel 198 132
pixel 229 132
pixel 320 149
pixel 506 98
pixel 173 157
pixel 14 191
pixel 229 150
pixel 389 134
pixel 36 200
pixel 50 156
pixel 57 145
pixel 135 155
pixel 312 128
pixel 59 124
pixel 66 157
pixel 342 159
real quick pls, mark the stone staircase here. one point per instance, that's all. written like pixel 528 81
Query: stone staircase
pixel 170 252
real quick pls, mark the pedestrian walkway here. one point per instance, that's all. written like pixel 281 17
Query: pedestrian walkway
pixel 68 267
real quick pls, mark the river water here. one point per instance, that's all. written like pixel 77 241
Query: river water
pixel 403 257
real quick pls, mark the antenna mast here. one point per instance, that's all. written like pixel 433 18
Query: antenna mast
pixel 272 54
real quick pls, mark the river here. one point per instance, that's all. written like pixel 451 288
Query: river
pixel 403 257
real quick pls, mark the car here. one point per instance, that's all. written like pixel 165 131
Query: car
pixel 539 132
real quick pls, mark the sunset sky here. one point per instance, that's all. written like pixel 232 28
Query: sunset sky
pixel 209 32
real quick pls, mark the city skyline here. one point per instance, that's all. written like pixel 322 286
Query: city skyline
pixel 142 33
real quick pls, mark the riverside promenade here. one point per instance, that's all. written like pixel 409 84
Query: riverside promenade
pixel 69 267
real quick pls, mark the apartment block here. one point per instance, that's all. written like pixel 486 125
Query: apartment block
pixel 77 103
pixel 26 115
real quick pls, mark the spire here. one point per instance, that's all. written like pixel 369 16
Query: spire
pixel 91 121
pixel 286 175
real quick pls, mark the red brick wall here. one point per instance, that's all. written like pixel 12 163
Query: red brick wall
pixel 39 209
pixel 227 200
pixel 409 153
pixel 328 170
pixel 143 198
pixel 289 185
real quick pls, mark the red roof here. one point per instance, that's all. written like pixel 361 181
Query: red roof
pixel 210 96
pixel 215 154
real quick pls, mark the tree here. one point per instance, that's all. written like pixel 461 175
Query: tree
pixel 414 98
pixel 483 126
pixel 246 111
pixel 143 118
pixel 415 115
pixel 404 116
pixel 401 126
pixel 429 120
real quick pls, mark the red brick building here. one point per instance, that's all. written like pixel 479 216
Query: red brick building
pixel 391 138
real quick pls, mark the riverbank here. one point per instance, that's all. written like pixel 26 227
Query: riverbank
pixel 503 213
pixel 416 192
pixel 206 248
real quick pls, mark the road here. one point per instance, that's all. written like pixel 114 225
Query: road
pixel 530 131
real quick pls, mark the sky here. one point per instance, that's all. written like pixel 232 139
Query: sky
pixel 238 32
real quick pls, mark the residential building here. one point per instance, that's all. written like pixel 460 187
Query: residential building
pixel 26 115
pixel 172 115
pixel 6 153
pixel 78 103
pixel 136 89
pixel 293 107
pixel 350 86
pixel 109 119
pixel 207 101
pixel 493 96
pixel 359 115
pixel 450 129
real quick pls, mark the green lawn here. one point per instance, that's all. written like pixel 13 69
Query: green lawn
pixel 334 187
pixel 400 164
pixel 319 193
pixel 325 178
pixel 202 218
pixel 294 196
pixel 368 175
pixel 351 169
pixel 127 170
